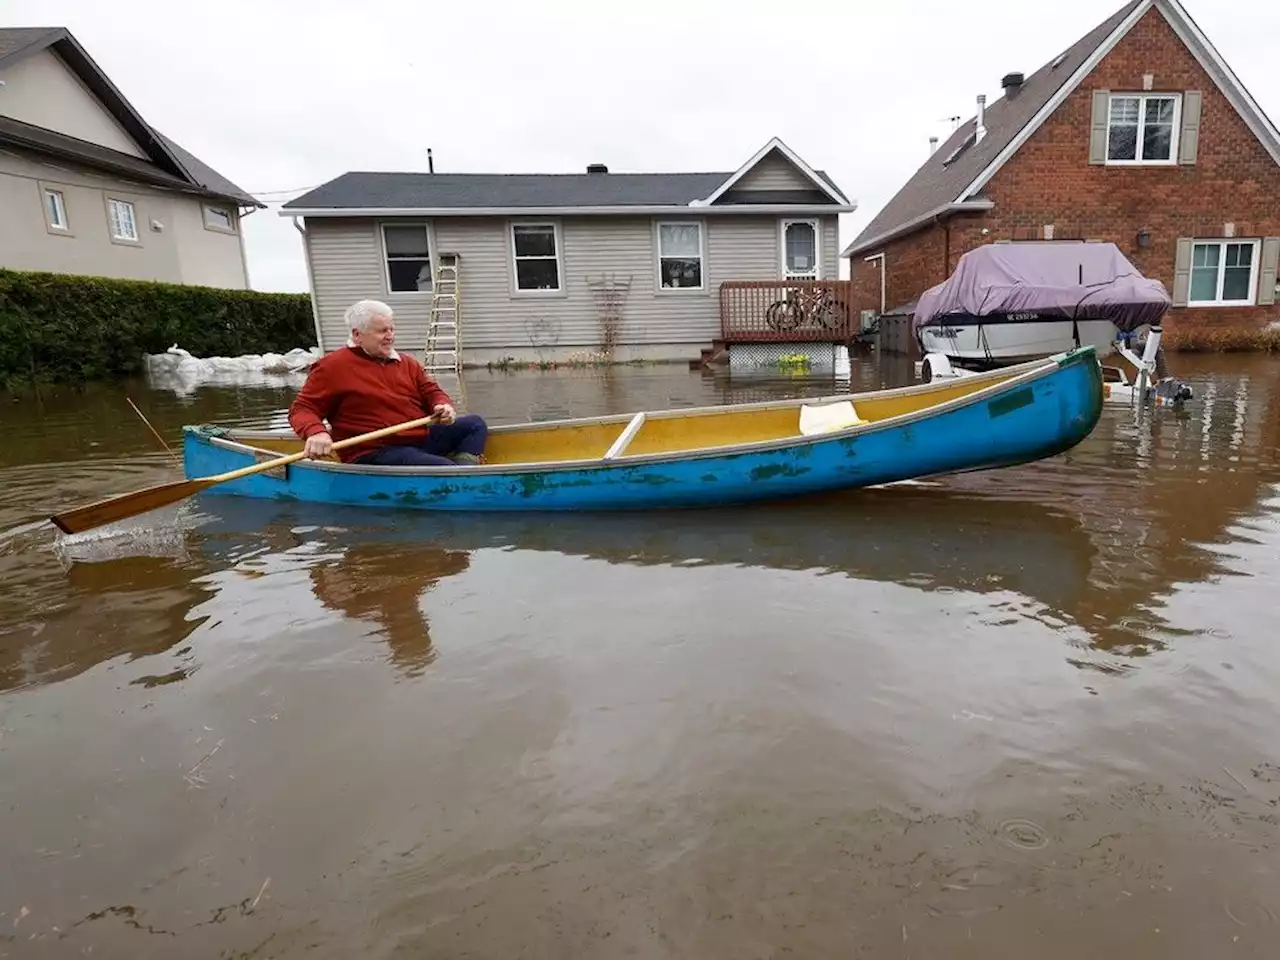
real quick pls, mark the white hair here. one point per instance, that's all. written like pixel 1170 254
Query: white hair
pixel 360 314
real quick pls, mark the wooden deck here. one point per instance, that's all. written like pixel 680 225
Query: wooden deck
pixel 764 311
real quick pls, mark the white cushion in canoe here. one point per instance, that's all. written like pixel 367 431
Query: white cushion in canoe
pixel 828 417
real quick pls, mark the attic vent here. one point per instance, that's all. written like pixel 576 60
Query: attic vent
pixel 1058 60
pixel 597 168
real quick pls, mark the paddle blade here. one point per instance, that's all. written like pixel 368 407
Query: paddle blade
pixel 79 519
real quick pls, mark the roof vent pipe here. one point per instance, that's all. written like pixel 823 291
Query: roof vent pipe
pixel 980 129
pixel 933 145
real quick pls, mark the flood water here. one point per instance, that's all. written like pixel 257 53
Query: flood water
pixel 1026 713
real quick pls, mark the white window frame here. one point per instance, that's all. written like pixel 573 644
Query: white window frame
pixel 817 245
pixel 207 208
pixel 1255 270
pixel 557 234
pixel 702 256
pixel 1142 99
pixel 113 219
pixel 386 257
pixel 56 215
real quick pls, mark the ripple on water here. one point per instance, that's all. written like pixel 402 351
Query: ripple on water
pixel 1022 834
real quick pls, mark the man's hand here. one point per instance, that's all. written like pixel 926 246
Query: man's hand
pixel 445 412
pixel 318 445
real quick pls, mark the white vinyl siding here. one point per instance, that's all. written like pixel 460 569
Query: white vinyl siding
pixel 346 264
pixel 774 172
pixel 1223 273
pixel 1143 128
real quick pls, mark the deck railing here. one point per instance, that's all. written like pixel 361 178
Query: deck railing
pixel 784 310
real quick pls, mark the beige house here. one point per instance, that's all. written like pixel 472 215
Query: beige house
pixel 89 187
pixel 543 259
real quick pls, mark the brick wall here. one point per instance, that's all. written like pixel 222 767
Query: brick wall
pixel 1050 181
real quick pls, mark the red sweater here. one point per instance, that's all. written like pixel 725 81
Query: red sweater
pixel 358 393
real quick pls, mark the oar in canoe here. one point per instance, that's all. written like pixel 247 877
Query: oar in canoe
pixel 125 505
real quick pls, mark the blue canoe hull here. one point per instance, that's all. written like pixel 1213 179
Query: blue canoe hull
pixel 1028 419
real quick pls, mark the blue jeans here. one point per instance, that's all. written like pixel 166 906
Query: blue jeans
pixel 467 434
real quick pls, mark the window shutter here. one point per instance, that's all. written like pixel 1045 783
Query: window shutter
pixel 1189 138
pixel 1182 273
pixel 1267 278
pixel 1098 127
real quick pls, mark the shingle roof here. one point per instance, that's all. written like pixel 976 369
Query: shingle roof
pixel 161 169
pixel 366 190
pixel 13 39
pixel 938 182
pixel 205 175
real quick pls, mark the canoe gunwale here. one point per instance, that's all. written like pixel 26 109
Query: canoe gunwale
pixel 1001 381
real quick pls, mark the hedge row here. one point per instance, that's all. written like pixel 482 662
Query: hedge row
pixel 56 328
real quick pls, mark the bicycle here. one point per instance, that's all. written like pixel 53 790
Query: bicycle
pixel 800 305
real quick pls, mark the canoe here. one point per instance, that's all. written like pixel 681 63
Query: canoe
pixel 705 456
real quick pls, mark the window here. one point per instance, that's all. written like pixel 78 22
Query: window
pixel 1222 272
pixel 680 256
pixel 123 225
pixel 800 249
pixel 1143 128
pixel 219 218
pixel 56 209
pixel 537 256
pixel 408 257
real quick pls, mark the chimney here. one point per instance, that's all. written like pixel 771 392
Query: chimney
pixel 1012 83
pixel 980 127
pixel 933 145
pixel 597 168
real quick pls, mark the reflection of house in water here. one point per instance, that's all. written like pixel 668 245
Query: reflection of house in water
pixel 382 583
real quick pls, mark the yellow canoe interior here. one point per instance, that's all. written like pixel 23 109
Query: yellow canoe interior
pixel 682 430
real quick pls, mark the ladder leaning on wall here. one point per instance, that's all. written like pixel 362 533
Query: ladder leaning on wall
pixel 442 354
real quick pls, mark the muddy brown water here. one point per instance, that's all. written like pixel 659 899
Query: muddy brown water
pixel 1024 713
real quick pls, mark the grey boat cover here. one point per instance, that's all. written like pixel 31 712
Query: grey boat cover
pixel 1063 280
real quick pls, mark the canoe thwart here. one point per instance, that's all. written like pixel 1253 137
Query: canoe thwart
pixel 625 437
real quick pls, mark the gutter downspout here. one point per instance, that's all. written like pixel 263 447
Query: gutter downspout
pixel 311 283
pixel 244 257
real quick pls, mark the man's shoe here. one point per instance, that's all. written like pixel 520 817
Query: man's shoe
pixel 467 459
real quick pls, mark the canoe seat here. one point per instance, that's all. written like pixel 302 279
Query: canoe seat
pixel 827 417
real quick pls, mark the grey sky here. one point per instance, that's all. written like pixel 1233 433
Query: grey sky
pixel 285 94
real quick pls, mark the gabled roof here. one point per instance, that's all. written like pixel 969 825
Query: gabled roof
pixel 952 178
pixel 483 194
pixel 818 179
pixel 167 164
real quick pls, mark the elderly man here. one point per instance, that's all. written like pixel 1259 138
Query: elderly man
pixel 367 385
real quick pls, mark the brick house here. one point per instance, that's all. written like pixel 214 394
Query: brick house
pixel 1138 134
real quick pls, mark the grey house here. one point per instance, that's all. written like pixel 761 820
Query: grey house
pixel 544 259
pixel 88 187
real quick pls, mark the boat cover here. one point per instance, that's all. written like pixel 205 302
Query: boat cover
pixel 1080 281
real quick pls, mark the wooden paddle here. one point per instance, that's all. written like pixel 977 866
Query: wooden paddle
pixel 79 519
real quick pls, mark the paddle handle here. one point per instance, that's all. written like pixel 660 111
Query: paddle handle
pixel 302 455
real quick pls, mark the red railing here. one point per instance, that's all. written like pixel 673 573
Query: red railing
pixel 805 310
